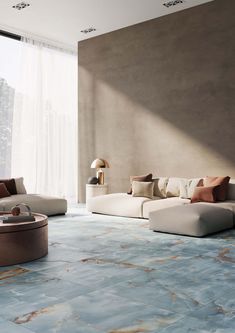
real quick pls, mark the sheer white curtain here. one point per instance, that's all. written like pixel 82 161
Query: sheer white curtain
pixel 44 145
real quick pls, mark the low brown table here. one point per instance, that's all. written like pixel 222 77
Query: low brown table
pixel 23 241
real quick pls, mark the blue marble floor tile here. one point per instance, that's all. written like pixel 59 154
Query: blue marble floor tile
pixel 108 312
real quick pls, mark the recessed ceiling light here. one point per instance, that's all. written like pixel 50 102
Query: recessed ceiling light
pixel 173 3
pixel 88 30
pixel 21 5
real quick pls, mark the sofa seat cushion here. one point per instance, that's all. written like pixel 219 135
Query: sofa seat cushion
pixel 228 204
pixel 192 220
pixel 120 204
pixel 153 205
pixel 42 204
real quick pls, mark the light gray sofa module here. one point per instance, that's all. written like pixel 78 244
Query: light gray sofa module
pixel 38 203
pixel 154 205
pixel 120 204
pixel 192 220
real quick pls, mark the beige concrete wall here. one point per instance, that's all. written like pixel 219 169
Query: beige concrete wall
pixel 160 97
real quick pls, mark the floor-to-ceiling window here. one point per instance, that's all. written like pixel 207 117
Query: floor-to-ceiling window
pixel 38 130
pixel 9 74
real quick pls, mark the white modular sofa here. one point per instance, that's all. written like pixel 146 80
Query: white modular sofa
pixel 167 193
pixel 171 210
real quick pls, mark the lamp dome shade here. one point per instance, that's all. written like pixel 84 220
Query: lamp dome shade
pixel 99 163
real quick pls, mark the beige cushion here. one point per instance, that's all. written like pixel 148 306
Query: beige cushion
pixel 173 187
pixel 187 187
pixel 38 203
pixel 20 188
pixel 142 189
pixel 120 204
pixel 193 220
pixel 154 205
pixel 160 185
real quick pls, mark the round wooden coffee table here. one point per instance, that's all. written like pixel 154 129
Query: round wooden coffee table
pixel 23 241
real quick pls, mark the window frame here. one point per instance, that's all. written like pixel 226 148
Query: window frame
pixel 10 35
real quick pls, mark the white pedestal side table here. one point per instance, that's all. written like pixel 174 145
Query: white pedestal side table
pixel 95 190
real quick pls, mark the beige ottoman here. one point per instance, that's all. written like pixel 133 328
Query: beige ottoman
pixel 193 219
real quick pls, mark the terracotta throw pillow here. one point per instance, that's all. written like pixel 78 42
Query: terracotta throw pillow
pixel 142 189
pixel 205 194
pixel 144 178
pixel 3 191
pixel 10 185
pixel 223 186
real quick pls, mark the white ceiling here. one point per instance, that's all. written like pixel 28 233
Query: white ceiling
pixel 62 20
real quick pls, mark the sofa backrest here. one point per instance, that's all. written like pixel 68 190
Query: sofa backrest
pixel 231 190
pixel 160 185
pixel 165 187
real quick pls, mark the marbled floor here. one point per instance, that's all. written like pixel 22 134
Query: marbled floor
pixel 112 274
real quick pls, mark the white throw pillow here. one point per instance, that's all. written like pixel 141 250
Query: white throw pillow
pixel 20 188
pixel 187 187
pixel 160 185
pixel 173 187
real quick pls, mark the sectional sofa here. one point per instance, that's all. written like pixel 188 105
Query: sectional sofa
pixel 171 197
pixel 47 205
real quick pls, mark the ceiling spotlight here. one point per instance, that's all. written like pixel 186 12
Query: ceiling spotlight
pixel 21 5
pixel 88 30
pixel 172 3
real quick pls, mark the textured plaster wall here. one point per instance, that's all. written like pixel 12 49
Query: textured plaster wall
pixel 160 97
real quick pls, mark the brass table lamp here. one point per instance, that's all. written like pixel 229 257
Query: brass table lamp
pixel 99 164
